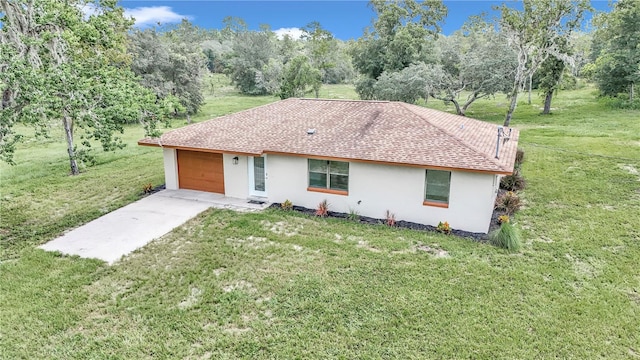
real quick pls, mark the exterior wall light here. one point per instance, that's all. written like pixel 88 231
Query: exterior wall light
pixel 235 160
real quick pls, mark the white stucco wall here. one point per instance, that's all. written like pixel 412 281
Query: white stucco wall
pixel 170 168
pixel 236 177
pixel 396 188
pixel 373 189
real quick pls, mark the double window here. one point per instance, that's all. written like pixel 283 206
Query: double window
pixel 437 185
pixel 329 175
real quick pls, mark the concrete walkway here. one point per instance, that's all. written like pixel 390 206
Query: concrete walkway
pixel 124 230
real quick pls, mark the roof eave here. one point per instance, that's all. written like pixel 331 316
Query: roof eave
pixel 499 171
pixel 209 150
pixel 144 143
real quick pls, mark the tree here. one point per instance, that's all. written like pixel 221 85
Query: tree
pixel 407 85
pixel 342 70
pixel 401 36
pixel 476 59
pixel 617 47
pixel 270 77
pixel 251 53
pixel 170 63
pixel 288 48
pixel 534 33
pixel 298 76
pixel 551 72
pixel 580 45
pixel 320 44
pixel 233 25
pixel 58 64
pixel 216 52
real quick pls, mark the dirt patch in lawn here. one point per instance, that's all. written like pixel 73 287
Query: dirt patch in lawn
pixel 241 285
pixel 630 169
pixel 433 250
pixel 282 227
pixel 252 242
pixel 191 299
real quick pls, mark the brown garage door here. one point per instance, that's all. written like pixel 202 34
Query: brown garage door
pixel 200 171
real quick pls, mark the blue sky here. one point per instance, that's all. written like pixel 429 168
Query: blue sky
pixel 345 19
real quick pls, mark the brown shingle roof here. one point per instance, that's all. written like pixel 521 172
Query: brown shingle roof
pixel 379 131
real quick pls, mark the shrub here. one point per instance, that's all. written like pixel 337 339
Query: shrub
pixel 508 202
pixel 323 209
pixel 620 102
pixel 507 237
pixel 286 205
pixel 444 227
pixel 390 218
pixel 513 182
pixel 503 219
pixel 519 157
pixel 147 188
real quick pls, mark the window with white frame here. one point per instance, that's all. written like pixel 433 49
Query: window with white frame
pixel 328 175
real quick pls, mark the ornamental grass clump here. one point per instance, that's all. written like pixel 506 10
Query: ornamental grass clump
pixel 507 237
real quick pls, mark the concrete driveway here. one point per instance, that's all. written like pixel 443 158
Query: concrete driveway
pixel 124 230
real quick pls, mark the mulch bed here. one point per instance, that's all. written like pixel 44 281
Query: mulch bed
pixel 480 237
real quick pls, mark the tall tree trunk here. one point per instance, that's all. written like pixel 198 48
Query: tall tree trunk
pixel 188 119
pixel 547 103
pixel 6 98
pixel 68 132
pixel 518 85
pixel 512 105
pixel 458 109
pixel 530 83
pixel 468 103
pixel 631 93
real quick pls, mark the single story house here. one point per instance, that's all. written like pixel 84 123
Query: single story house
pixel 423 165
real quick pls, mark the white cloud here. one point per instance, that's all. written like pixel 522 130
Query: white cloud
pixel 154 14
pixel 294 33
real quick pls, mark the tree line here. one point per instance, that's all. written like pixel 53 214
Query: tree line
pixel 82 64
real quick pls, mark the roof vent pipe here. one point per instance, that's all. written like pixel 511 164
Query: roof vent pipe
pixel 506 135
pixel 311 131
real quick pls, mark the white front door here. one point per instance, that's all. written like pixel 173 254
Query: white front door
pixel 258 176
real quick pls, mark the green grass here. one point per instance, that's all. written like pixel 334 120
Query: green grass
pixel 282 285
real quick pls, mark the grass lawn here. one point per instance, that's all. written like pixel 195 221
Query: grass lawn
pixel 283 285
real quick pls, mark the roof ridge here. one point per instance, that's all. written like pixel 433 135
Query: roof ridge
pixel 201 123
pixel 454 136
pixel 344 100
